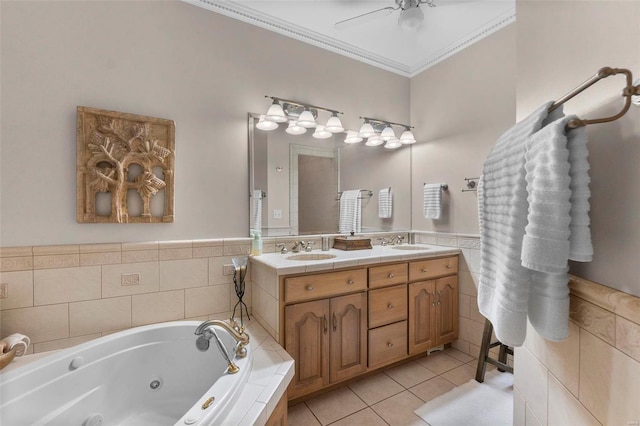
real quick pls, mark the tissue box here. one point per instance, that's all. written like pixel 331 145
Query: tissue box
pixel 351 243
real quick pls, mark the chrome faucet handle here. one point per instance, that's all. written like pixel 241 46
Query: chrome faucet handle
pixel 309 244
pixel 282 247
pixel 296 247
pixel 400 240
pixel 383 241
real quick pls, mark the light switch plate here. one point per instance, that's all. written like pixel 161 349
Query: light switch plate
pixel 227 270
pixel 277 214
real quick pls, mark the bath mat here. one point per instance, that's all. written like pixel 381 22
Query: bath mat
pixel 488 403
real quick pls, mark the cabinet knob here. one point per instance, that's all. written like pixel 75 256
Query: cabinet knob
pixel 350 282
pixel 309 288
pixel 449 266
pixel 391 275
pixel 389 345
pixel 390 306
pixel 423 270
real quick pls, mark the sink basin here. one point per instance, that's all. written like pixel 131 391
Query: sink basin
pixel 407 247
pixel 311 256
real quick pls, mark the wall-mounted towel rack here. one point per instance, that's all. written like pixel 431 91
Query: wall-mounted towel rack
pixel 443 187
pixel 629 91
pixel 472 184
pixel 365 193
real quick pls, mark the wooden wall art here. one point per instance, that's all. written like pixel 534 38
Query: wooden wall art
pixel 131 158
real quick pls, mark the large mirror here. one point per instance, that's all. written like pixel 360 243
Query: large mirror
pixel 296 181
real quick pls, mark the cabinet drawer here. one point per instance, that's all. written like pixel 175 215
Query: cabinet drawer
pixel 381 276
pixel 323 285
pixel 387 344
pixel 387 305
pixel 426 269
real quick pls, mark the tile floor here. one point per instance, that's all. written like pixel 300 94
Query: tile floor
pixel 390 396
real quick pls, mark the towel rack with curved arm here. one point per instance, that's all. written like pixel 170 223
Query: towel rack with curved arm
pixel 629 91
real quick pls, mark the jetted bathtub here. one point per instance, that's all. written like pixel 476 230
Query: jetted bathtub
pixel 152 375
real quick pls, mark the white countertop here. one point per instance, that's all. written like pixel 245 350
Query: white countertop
pixel 344 259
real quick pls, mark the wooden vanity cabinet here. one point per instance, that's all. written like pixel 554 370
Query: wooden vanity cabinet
pixel 327 339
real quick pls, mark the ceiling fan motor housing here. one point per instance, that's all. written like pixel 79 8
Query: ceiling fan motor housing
pixel 407 4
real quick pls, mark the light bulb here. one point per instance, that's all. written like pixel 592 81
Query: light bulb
pixel 366 130
pixel 352 137
pixel 387 134
pixel 294 129
pixel 306 119
pixel 275 113
pixel 321 132
pixel 334 125
pixel 266 125
pixel 393 144
pixel 374 140
pixel 407 137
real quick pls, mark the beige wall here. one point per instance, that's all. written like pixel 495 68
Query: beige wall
pixel 459 108
pixel 163 59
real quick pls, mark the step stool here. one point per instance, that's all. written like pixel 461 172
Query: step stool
pixel 483 357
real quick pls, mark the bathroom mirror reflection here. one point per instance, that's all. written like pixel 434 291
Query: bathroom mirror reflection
pixel 295 182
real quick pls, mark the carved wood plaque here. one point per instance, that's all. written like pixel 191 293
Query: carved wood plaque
pixel 125 168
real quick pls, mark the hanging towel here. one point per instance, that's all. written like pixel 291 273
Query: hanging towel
pixel 385 203
pixel 432 200
pixel 350 212
pixel 503 287
pixel 257 209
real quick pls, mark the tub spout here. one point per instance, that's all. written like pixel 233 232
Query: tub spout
pixel 206 331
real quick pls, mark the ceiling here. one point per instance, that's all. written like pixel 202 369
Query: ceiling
pixel 448 28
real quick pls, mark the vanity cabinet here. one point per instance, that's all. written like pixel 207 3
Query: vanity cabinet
pixel 327 339
pixel 340 324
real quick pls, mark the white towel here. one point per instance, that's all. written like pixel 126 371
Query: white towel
pixel 385 203
pixel 432 200
pixel 350 212
pixel 257 209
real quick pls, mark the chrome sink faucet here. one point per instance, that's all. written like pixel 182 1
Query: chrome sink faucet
pixel 297 245
pixel 384 241
pixel 397 240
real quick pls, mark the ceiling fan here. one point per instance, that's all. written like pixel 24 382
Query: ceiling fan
pixel 410 18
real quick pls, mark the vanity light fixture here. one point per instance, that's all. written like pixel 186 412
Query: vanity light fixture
pixel 407 137
pixel 387 134
pixel 383 132
pixel 275 113
pixel 352 137
pixel 366 131
pixel 305 115
pixel 306 119
pixel 374 140
pixel 393 144
pixel 321 132
pixel 266 125
pixel 294 129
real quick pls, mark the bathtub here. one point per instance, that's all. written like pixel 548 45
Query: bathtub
pixel 150 375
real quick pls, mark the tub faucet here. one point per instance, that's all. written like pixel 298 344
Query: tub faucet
pixel 206 331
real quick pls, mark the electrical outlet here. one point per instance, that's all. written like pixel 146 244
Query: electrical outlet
pixel 4 290
pixel 277 214
pixel 227 269
pixel 131 279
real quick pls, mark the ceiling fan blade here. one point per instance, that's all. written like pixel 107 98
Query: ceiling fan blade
pixel 365 17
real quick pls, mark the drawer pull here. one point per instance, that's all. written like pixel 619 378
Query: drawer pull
pixel 325 323
pixel 389 345
pixel 423 270
pixel 335 322
pixel 449 266
pixel 391 275
pixel 309 288
pixel 439 296
pixel 390 306
pixel 350 282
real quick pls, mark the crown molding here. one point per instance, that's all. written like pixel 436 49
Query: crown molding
pixel 240 12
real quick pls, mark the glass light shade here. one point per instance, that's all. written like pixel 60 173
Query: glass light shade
pixel 239 261
pixel 334 125
pixel 407 137
pixel 374 140
pixel 352 137
pixel 321 132
pixel 387 134
pixel 366 131
pixel 266 125
pixel 411 18
pixel 275 113
pixel 393 144
pixel 306 119
pixel 294 129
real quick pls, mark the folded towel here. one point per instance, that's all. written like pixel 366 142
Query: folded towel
pixel 385 203
pixel 18 341
pixel 432 200
pixel 581 248
pixel 257 209
pixel 350 212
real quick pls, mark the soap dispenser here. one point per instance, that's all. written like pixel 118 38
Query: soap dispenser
pixel 256 243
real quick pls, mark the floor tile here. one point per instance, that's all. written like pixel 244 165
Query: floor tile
pixel 460 375
pixel 410 374
pixel 335 405
pixel 432 388
pixel 300 415
pixel 375 388
pixel 439 362
pixel 460 356
pixel 366 417
pixel 398 410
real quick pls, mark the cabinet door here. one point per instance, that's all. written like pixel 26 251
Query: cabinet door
pixel 447 309
pixel 348 336
pixel 307 341
pixel 422 316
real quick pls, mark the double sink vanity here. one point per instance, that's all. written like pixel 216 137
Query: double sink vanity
pixel 341 314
